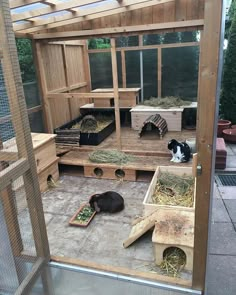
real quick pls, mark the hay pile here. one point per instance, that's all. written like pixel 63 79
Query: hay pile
pixel 173 262
pixel 90 124
pixel 174 190
pixel 110 156
pixel 166 102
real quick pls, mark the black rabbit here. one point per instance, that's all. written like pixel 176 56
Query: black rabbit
pixel 107 202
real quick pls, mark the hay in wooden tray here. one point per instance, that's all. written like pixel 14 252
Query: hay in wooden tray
pixel 173 262
pixel 90 124
pixel 110 156
pixel 174 190
pixel 166 102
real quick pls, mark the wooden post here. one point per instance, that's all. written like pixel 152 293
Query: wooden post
pixel 87 66
pixel 123 68
pixel 43 86
pixel 209 83
pixel 116 92
pixel 65 66
pixel 159 71
pixel 20 122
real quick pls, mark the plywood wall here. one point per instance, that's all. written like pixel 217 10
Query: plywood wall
pixel 62 70
pixel 178 10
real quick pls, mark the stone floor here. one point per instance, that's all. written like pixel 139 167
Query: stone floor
pixel 231 156
pixel 102 241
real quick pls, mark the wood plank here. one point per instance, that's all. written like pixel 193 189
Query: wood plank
pixel 88 14
pixel 81 95
pixel 86 65
pixel 21 126
pixel 66 73
pixel 116 92
pixel 117 30
pixel 72 87
pixel 159 72
pixel 43 86
pixel 210 56
pixel 122 271
pixel 181 10
pixel 33 13
pixel 123 68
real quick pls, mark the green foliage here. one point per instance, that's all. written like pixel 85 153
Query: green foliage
pixel 229 18
pixel 99 43
pixel 25 59
pixel 228 93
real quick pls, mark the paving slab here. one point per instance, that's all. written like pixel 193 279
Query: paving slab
pixel 230 151
pixel 222 239
pixel 228 192
pixel 232 147
pixel 219 212
pixel 221 275
pixel 231 207
pixel 231 162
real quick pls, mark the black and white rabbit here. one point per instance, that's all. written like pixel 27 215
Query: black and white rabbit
pixel 180 151
pixel 107 202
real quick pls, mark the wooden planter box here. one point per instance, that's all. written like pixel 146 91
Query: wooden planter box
pixel 75 222
pixel 74 136
pixel 149 207
pixel 173 116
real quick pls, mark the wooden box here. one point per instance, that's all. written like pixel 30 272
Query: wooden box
pixel 47 173
pixel 173 116
pixel 128 97
pixel 45 156
pixel 174 228
pixel 149 207
pixel 114 172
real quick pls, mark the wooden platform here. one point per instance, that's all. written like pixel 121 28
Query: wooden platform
pixel 149 144
pixel 149 152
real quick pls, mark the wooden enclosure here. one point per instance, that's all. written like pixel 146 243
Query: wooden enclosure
pixel 62 61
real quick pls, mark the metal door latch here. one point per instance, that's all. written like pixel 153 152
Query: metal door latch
pixel 199 169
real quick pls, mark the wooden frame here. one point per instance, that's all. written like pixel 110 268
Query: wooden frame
pixel 173 18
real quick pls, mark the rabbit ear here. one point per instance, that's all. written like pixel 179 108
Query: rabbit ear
pixel 97 209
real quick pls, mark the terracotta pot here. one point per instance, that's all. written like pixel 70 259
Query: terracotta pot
pixel 229 135
pixel 222 125
pixel 233 126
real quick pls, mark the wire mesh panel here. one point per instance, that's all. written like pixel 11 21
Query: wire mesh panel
pixel 180 72
pixel 150 73
pixel 24 245
pixel 132 59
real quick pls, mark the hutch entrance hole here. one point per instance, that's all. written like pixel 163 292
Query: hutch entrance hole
pixel 98 171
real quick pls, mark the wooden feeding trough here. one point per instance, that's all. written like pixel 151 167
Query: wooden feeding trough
pixel 156 122
pixel 174 228
pixel 83 216
pixel 149 206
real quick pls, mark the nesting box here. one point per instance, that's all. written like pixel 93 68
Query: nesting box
pixel 45 157
pixel 174 228
pixel 149 206
pixel 173 116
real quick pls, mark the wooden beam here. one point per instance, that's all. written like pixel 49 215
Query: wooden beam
pixel 86 34
pixel 81 95
pixel 26 166
pixel 116 92
pixel 72 87
pixel 12 172
pixel 87 14
pixel 159 71
pixel 19 3
pixel 211 53
pixel 47 10
pixel 147 47
pixel 66 72
pixel 43 86
pixel 123 68
pixel 123 271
